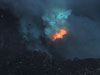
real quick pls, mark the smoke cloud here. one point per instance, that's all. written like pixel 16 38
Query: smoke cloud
pixel 80 18
pixel 56 19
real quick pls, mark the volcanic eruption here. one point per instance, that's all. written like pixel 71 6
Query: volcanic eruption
pixel 59 35
pixel 56 23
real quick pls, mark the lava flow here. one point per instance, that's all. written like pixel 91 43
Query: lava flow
pixel 60 35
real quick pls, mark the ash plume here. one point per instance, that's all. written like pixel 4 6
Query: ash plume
pixel 81 18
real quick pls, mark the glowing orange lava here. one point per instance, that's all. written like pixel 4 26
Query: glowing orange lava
pixel 60 35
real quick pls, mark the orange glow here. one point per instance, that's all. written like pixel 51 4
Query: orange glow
pixel 59 35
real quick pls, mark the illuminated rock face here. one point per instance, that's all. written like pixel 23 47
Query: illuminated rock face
pixel 55 20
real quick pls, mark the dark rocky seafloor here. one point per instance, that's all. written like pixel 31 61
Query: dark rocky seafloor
pixel 15 59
